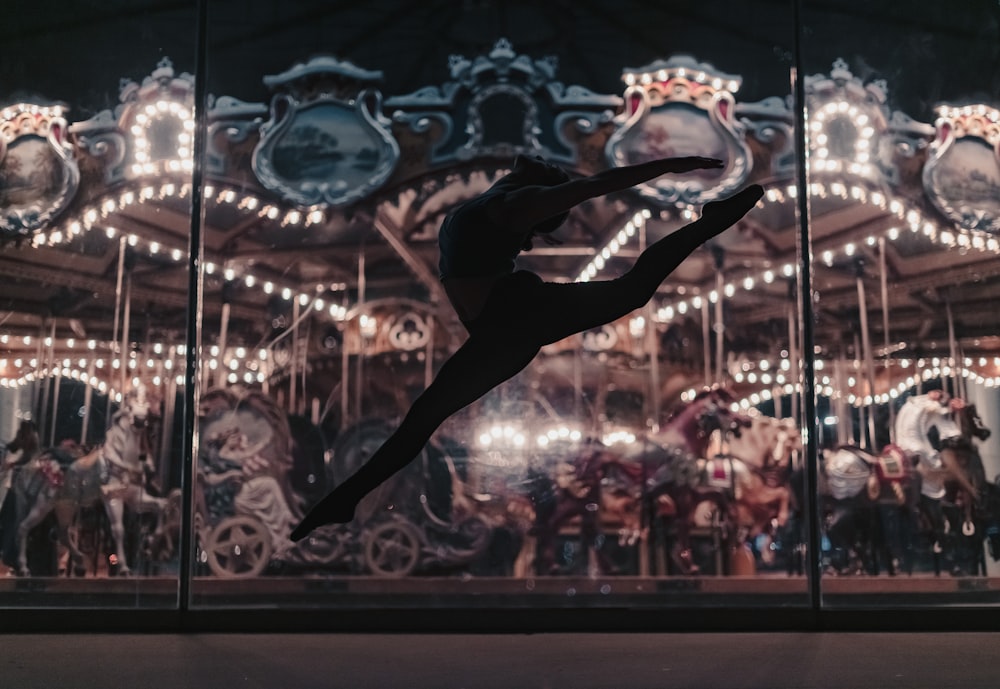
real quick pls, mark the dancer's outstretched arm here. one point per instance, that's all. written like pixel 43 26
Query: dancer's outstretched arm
pixel 532 204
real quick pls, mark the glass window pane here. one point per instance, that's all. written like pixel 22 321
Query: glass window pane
pixel 904 178
pixel 95 187
pixel 337 145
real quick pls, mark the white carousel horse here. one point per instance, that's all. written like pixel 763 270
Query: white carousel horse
pixel 914 421
pixel 112 474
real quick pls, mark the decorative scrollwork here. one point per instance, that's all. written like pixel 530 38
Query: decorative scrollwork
pixel 680 107
pixel 38 174
pixel 600 339
pixel 231 121
pixel 409 332
pixel 100 138
pixel 962 175
pixel 501 104
pixel 327 140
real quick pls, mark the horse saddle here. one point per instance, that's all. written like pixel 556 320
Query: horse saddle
pixel 893 465
pixel 719 472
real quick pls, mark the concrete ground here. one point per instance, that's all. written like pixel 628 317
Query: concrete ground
pixel 801 660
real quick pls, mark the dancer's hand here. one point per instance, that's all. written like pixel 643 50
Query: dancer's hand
pixel 693 163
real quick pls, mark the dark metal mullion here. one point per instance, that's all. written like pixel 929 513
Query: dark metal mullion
pixel 809 421
pixel 189 440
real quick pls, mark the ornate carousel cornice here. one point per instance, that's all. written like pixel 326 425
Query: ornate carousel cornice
pixel 117 143
pixel 38 174
pixel 141 153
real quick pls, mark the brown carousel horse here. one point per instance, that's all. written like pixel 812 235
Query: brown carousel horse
pixel 595 485
pixel 968 504
pixel 655 481
pixel 673 488
pixel 752 474
pixel 112 474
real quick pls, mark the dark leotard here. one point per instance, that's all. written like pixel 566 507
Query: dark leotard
pixel 473 244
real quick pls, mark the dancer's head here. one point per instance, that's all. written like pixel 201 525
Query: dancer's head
pixel 535 170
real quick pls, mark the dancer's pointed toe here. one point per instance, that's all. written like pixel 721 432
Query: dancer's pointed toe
pixel 304 528
pixel 333 509
pixel 300 531
pixel 726 212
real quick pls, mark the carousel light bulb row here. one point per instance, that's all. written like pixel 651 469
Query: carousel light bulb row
pixel 819 139
pixel 825 389
pixel 104 208
pixel 144 121
pixel 926 374
pixel 506 436
pixel 745 368
pixel 234 355
pixel 965 239
pixel 954 112
pixel 12 112
pixel 665 74
pixel 80 374
pixel 617 243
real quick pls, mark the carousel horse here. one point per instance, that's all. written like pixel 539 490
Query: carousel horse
pixel 112 473
pixel 595 483
pixel 752 474
pixel 17 453
pixel 876 503
pixel 654 479
pixel 969 504
pixel 670 458
pixel 869 503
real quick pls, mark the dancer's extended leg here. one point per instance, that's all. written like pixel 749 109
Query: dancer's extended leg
pixel 558 310
pixel 477 367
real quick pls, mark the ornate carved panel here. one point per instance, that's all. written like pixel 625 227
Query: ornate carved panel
pixel 499 105
pixel 847 125
pixel 159 120
pixel 962 174
pixel 38 174
pixel 680 107
pixel 327 141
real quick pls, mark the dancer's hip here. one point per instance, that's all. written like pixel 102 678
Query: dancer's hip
pixel 507 305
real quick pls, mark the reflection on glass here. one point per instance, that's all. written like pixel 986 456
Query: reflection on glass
pixel 94 225
pixel 648 456
pixel 903 219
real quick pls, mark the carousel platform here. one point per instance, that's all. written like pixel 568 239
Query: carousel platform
pixel 357 592
pixel 509 661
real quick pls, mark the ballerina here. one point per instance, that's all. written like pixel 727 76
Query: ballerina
pixel 511 314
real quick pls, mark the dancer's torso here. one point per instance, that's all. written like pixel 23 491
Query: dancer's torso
pixel 475 252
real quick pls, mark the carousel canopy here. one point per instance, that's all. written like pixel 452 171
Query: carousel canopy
pixel 325 181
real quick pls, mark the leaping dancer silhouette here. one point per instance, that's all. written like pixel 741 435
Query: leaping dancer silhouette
pixel 511 314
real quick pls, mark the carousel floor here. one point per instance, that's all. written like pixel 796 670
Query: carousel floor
pixel 543 661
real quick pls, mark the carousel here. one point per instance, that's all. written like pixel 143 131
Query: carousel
pixel 286 287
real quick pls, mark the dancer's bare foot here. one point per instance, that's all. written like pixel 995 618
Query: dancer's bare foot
pixel 726 212
pixel 335 508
